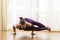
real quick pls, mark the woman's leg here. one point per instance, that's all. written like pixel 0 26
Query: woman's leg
pixel 40 25
pixel 34 22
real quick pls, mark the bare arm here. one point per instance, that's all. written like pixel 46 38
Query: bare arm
pixel 14 30
pixel 16 26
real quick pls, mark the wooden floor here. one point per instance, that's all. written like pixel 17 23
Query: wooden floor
pixel 26 35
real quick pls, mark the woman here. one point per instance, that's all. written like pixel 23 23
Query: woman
pixel 28 24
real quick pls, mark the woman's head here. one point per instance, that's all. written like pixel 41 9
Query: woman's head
pixel 22 21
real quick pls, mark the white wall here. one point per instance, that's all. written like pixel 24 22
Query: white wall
pixel 50 10
pixel 18 8
pixel 44 11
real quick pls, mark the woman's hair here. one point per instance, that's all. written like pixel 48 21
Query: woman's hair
pixel 20 17
pixel 22 21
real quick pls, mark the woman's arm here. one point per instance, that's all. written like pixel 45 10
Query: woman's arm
pixel 16 26
pixel 14 30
